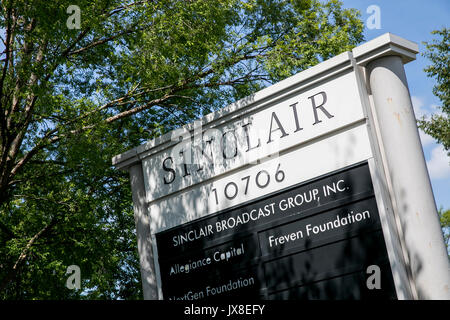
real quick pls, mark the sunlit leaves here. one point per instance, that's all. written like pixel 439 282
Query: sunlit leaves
pixel 174 61
pixel 438 51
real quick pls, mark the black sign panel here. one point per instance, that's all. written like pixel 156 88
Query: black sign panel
pixel 311 241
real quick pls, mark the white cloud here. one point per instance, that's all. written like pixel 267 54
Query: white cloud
pixel 420 110
pixel 419 107
pixel 438 165
pixel 436 110
pixel 425 138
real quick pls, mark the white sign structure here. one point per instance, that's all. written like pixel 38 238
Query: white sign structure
pixel 350 110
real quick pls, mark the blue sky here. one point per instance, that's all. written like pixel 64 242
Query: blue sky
pixel 414 20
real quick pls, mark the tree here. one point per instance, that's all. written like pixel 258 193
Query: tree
pixel 73 98
pixel 438 126
pixel 444 217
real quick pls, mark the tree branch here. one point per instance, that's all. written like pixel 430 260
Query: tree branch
pixel 23 255
pixel 100 42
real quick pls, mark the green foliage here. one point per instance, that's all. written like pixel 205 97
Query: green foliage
pixel 72 99
pixel 438 52
pixel 444 217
